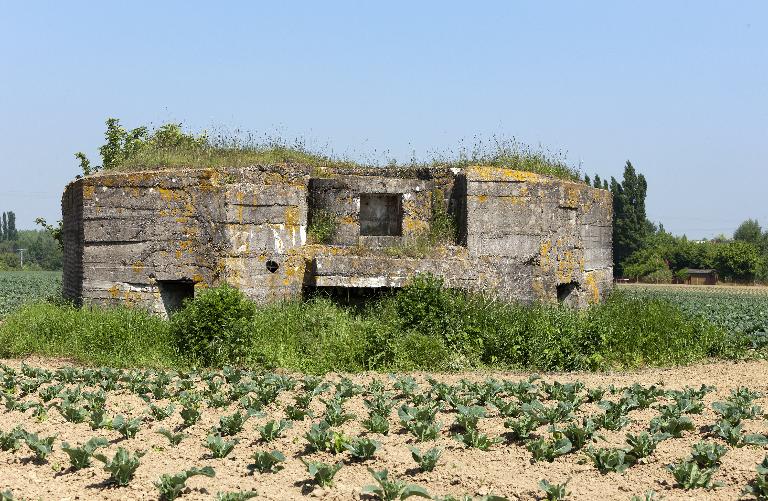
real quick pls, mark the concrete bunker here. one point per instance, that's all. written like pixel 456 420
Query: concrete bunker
pixel 518 236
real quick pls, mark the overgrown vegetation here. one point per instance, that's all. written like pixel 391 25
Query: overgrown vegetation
pixel 443 230
pixel 423 326
pixel 322 227
pixel 109 336
pixel 169 146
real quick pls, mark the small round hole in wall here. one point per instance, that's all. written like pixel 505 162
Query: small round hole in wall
pixel 272 266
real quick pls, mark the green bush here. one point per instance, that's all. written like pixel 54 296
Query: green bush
pixel 428 308
pixel 213 329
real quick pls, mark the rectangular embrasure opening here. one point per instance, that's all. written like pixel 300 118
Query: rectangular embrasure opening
pixel 174 293
pixel 381 214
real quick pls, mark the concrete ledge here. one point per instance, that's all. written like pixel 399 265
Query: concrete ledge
pixel 384 271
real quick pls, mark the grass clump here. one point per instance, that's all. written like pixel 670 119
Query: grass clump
pixel 322 227
pixel 119 337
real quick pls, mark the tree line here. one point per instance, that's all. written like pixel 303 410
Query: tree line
pixel 645 251
pixel 41 250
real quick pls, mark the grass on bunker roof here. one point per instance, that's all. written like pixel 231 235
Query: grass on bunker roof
pixel 187 150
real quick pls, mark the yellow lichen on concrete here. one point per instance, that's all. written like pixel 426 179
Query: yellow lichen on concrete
pixel 514 200
pixel 292 217
pixel 572 195
pixel 137 266
pixel 592 288
pixel 165 194
pixel 293 272
pixel 88 192
pixel 239 196
pixel 274 178
pixel 135 177
pixel 486 173
pixel 544 258
pixel 414 225
pixel 210 180
pixel 131 298
pixel 565 267
pixel 538 289
pixel 114 291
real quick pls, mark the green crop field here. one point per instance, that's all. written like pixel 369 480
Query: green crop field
pixel 19 287
pixel 98 432
pixel 734 310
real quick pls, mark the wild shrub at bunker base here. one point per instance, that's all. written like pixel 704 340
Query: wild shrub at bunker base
pixel 427 326
pixel 213 329
pixel 424 326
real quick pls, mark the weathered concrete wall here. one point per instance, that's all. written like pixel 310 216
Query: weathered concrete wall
pixel 143 228
pixel 338 192
pixel 72 240
pixel 146 237
pixel 265 221
pixel 559 230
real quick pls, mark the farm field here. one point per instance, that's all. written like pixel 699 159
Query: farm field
pixel 714 289
pixel 559 428
pixel 19 287
pixel 735 308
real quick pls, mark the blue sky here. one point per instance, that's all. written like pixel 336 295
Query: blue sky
pixel 679 88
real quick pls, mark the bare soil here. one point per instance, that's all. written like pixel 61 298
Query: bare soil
pixel 506 469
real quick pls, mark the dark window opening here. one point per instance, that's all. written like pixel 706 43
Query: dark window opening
pixel 272 266
pixel 174 293
pixel 381 214
pixel 565 292
pixel 356 297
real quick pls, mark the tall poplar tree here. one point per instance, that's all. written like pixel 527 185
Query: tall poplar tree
pixel 12 233
pixel 630 225
pixel 4 228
